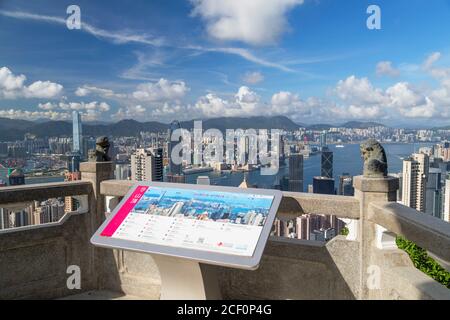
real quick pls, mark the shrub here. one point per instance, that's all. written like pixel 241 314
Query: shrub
pixel 423 262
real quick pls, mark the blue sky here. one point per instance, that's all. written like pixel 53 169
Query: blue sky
pixel 311 60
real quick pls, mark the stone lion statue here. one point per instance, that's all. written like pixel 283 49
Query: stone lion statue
pixel 100 154
pixel 375 161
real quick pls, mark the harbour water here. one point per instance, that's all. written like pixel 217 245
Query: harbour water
pixel 346 160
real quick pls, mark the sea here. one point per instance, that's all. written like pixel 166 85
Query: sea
pixel 345 160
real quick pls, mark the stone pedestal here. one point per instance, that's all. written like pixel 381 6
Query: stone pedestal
pixel 369 190
pixel 96 172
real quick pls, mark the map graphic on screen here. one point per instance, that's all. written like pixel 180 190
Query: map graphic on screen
pixel 223 222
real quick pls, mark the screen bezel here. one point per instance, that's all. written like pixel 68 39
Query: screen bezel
pixel 208 257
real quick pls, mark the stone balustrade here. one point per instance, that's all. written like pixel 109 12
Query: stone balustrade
pixel 367 265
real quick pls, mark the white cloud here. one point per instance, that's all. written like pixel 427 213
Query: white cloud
pixel 431 59
pixel 145 39
pixel 34 115
pixel 163 90
pixel 359 91
pixel 401 95
pixel 257 22
pixel 118 37
pixel 284 98
pixel 385 68
pixel 43 90
pixel 78 106
pixel 104 93
pixel 253 77
pixel 363 101
pixel 13 86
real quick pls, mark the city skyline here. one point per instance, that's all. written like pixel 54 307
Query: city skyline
pixel 196 60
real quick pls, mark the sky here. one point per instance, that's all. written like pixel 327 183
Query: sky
pixel 314 61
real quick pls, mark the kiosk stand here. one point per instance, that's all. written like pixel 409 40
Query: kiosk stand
pixel 189 229
pixel 183 279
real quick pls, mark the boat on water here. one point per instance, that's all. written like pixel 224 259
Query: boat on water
pixel 339 146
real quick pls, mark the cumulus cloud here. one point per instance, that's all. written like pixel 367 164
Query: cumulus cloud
pixel 92 90
pixel 256 22
pixel 13 86
pixel 253 77
pixel 385 68
pixel 163 90
pixel 247 103
pixel 76 106
pixel 34 115
pixel 362 100
pixel 359 91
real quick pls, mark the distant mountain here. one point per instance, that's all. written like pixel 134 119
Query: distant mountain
pixel 16 129
pixel 361 125
pixel 278 122
pixel 319 127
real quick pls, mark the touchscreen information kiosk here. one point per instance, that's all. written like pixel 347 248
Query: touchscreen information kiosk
pixel 184 225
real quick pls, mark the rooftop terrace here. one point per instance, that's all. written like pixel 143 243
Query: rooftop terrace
pixel 366 264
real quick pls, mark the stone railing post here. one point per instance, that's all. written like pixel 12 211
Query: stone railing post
pixel 96 172
pixel 369 190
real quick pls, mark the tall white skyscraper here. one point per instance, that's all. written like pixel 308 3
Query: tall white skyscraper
pixel 415 175
pixel 77 133
pixel 147 165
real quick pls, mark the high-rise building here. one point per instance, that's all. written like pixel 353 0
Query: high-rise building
pixel 400 188
pixel 4 218
pixel 158 164
pixel 327 163
pixel 323 185
pixel 346 185
pixel 147 165
pixel 16 177
pixel 415 175
pixel 323 140
pixel 3 149
pixel 296 173
pixel 123 171
pixel 74 162
pixel 174 168
pixel 433 197
pixel 77 133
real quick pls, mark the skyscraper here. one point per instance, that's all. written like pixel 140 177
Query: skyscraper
pixel 323 185
pixel 415 175
pixel 327 163
pixel 16 177
pixel 346 185
pixel 323 139
pixel 147 165
pixel 433 197
pixel 296 173
pixel 77 133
